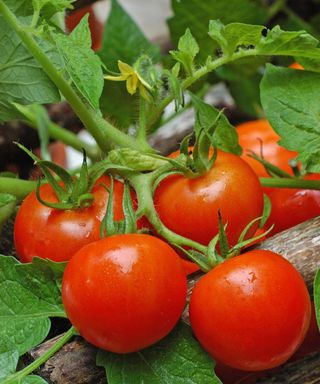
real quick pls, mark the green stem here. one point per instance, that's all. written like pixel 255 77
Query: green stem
pixel 290 183
pixel 104 133
pixel 17 187
pixel 15 378
pixel 191 80
pixel 141 133
pixel 275 8
pixel 69 138
pixel 142 184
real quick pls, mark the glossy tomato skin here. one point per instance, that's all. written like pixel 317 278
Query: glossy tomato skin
pixel 57 234
pixel 258 134
pixel 190 207
pixel 289 206
pixel 125 292
pixel 292 206
pixel 251 312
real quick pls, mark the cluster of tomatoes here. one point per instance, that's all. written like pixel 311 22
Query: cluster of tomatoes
pixel 125 292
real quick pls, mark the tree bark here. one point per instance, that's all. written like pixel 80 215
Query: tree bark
pixel 74 363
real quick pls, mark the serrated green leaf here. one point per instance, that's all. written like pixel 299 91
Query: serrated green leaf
pixel 48 7
pixel 234 35
pixel 177 359
pixel 290 101
pixel 29 295
pixel 22 79
pixel 196 14
pixel 225 136
pixel 316 294
pixel 293 43
pixel 122 40
pixel 188 49
pixel 83 66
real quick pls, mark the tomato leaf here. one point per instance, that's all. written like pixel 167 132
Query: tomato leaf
pixel 33 379
pixel 316 293
pixel 290 101
pixel 176 359
pixel 9 357
pixel 196 14
pixel 82 64
pixel 234 35
pixel 122 40
pixel 225 136
pixel 29 295
pixel 22 79
pixel 48 7
pixel 188 49
pixel 293 43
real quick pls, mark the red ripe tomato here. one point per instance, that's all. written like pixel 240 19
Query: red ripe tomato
pixel 251 312
pixel 292 206
pixel 257 134
pixel 289 206
pixel 190 207
pixel 57 234
pixel 125 292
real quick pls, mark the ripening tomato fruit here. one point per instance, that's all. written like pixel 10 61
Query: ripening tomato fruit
pixel 251 312
pixel 190 207
pixel 257 136
pixel 125 292
pixel 57 234
pixel 296 65
pixel 289 206
pixel 292 206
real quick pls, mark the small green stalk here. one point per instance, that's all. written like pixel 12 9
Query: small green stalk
pixel 290 183
pixel 17 377
pixel 17 187
pixel 104 133
pixel 141 132
pixel 275 8
pixel 143 183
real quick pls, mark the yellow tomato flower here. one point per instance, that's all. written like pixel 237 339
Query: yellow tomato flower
pixel 133 80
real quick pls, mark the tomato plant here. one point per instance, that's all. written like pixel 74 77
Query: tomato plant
pixel 289 206
pixel 125 292
pixel 251 312
pixel 189 206
pixel 57 234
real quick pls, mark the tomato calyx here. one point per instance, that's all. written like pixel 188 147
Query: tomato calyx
pixel 109 226
pixel 203 156
pixel 72 192
pixel 212 257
